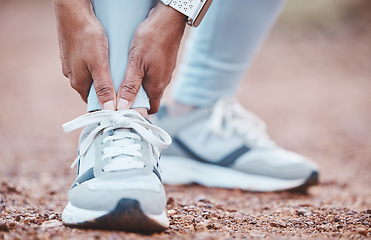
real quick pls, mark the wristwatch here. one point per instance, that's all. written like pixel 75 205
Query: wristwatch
pixel 195 10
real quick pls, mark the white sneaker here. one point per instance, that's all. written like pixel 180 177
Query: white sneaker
pixel 228 147
pixel 118 183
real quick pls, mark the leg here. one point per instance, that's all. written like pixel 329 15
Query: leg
pixel 227 145
pixel 222 48
pixel 120 20
pixel 118 184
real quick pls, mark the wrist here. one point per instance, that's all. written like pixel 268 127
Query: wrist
pixel 70 3
pixel 169 15
pixel 73 9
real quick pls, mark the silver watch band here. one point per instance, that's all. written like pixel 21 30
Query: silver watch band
pixel 195 10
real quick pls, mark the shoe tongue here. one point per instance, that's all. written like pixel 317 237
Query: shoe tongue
pixel 125 160
pixel 125 141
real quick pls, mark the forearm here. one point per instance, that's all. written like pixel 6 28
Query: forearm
pixel 72 16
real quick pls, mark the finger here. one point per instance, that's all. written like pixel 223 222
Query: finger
pixel 131 84
pixel 100 73
pixel 155 105
pixel 81 80
pixel 154 85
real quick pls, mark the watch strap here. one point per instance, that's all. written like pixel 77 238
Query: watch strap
pixel 195 10
pixel 187 7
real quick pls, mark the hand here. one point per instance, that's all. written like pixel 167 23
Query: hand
pixel 152 56
pixel 84 50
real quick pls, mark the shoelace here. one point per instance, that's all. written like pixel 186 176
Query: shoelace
pixel 124 145
pixel 229 117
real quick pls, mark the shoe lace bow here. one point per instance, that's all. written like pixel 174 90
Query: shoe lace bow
pixel 129 128
pixel 229 117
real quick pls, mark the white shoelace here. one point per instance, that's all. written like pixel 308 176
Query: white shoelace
pixel 124 145
pixel 229 117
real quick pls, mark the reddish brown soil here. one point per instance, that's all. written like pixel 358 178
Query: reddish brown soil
pixel 312 88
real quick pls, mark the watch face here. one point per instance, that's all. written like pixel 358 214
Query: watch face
pixel 166 2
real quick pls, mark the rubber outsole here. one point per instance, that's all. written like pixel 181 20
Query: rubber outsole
pixel 127 216
pixel 180 171
pixel 311 181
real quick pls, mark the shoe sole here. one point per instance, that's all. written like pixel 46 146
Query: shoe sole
pixel 178 170
pixel 126 216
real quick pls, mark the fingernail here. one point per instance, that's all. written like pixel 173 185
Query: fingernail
pixel 123 104
pixel 109 106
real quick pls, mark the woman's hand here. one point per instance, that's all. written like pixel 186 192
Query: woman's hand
pixel 84 50
pixel 152 56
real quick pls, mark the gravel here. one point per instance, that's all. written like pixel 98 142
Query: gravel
pixel 315 100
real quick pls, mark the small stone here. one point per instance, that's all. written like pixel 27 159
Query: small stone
pixel 362 230
pixel 304 212
pixel 3 227
pixel 340 226
pixel 170 201
pixel 12 225
pixel 305 205
pixel 309 223
pixel 174 227
pixel 278 224
pixel 253 221
pixel 17 218
pixel 217 225
pixel 51 224
pixel 177 216
pixel 52 216
pixel 369 211
pixel 202 225
pixel 219 206
pixel 238 220
pixel 198 219
pixel 188 227
pixel 187 218
pixel 209 205
pixel 171 212
pixel 203 199
pixel 11 189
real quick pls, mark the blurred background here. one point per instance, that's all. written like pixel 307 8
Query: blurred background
pixel 310 82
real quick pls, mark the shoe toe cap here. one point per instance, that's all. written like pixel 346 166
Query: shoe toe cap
pixel 278 163
pixel 104 195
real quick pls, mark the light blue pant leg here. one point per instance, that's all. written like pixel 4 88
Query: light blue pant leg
pixel 120 18
pixel 220 50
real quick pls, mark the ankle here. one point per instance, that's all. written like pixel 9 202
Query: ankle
pixel 142 111
pixel 176 109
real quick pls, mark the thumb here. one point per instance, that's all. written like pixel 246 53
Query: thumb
pixel 103 85
pixel 130 86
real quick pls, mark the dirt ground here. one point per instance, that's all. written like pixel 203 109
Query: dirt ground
pixel 311 87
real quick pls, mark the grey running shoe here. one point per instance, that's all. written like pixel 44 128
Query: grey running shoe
pixel 118 184
pixel 226 146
